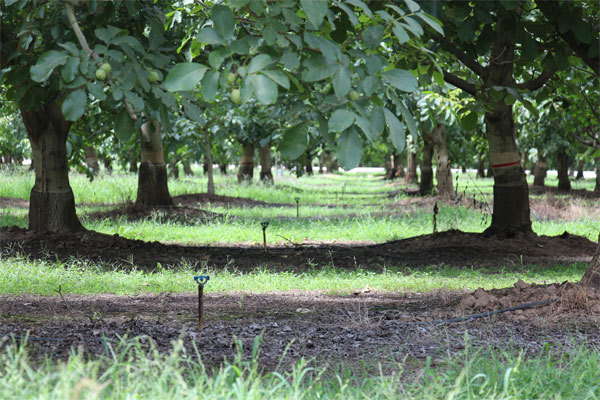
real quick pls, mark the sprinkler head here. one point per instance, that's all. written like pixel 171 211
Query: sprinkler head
pixel 264 225
pixel 201 279
pixel 297 199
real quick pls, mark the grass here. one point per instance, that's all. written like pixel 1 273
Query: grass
pixel 132 370
pixel 21 276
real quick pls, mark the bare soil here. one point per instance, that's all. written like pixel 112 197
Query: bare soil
pixel 367 326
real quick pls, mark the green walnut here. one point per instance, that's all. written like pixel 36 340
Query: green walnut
pixel 106 67
pixel 153 76
pixel 236 96
pixel 100 74
pixel 230 77
pixel 353 95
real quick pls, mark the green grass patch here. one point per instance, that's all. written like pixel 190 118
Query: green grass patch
pixel 22 276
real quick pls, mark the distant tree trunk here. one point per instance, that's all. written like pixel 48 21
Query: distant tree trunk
pixel 597 187
pixel 210 186
pixel 322 163
pixel 426 183
pixel 91 159
pixel 562 163
pixel 389 166
pixel 223 168
pixel 153 189
pixel 187 167
pixel 580 165
pixel 411 170
pixel 174 168
pixel 133 164
pixel 398 166
pixel 481 167
pixel 107 161
pixel 308 163
pixel 442 160
pixel 246 170
pixel 266 176
pixel 330 163
pixel 463 169
pixel 490 170
pixel 540 171
pixel 51 202
pixel 592 275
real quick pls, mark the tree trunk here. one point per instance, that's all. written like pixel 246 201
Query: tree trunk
pixel 153 188
pixel 308 164
pixel 562 163
pixel 210 186
pixel 322 163
pixel 51 202
pixel 187 167
pixel 133 164
pixel 266 176
pixel 223 168
pixel 91 159
pixel 398 166
pixel 597 186
pixel 389 167
pixel 481 167
pixel 426 183
pixel 539 174
pixel 490 171
pixel 173 168
pixel 511 214
pixel 443 173
pixel 331 164
pixel 246 170
pixel 592 275
pixel 107 161
pixel 411 170
pixel 580 165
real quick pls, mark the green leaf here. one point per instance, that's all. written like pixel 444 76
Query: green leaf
pixel 408 118
pixel 184 76
pixel 124 125
pixel 193 112
pixel 365 126
pixel 469 121
pixel 278 77
pixel 46 63
pixel 265 89
pixel 372 36
pixel 349 149
pixel 290 60
pixel 209 36
pixel 317 69
pixel 70 47
pixel 210 85
pixel 74 105
pixel 259 62
pixel 396 130
pixel 433 23
pixel 400 79
pixel 107 34
pixel 374 64
pixel 341 82
pixel 377 120
pixel 294 141
pixel 340 120
pixel 400 33
pixel 224 21
pixel 217 56
pixel 68 71
pixel 370 85
pixel 315 10
pixel 97 91
pixel 136 101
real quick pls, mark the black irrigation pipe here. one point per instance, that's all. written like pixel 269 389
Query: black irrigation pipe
pixel 441 321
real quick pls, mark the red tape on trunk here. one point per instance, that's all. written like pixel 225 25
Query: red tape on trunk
pixel 510 164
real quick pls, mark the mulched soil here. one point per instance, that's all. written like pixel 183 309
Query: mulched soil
pixel 452 248
pixel 576 193
pixel 367 326
pixel 175 214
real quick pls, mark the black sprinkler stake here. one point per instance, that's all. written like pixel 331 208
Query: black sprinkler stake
pixel 297 207
pixel 201 281
pixel 264 228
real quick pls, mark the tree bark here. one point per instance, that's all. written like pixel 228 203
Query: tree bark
pixel 133 164
pixel 398 166
pixel 246 170
pixel 173 168
pixel 481 167
pixel 308 164
pixel 541 168
pixel 91 159
pixel 210 186
pixel 266 176
pixel 511 214
pixel 580 165
pixel 443 173
pixel 389 167
pixel 51 202
pixel 187 167
pixel 562 162
pixel 426 183
pixel 107 161
pixel 153 187
pixel 411 170
pixel 597 186
pixel 330 163
pixel 591 277
pixel 223 168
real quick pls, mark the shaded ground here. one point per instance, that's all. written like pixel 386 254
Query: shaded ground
pixel 374 327
pixel 452 248
pixel 176 214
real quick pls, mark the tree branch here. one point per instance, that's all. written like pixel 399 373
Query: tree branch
pixel 460 83
pixel 536 83
pixel 469 62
